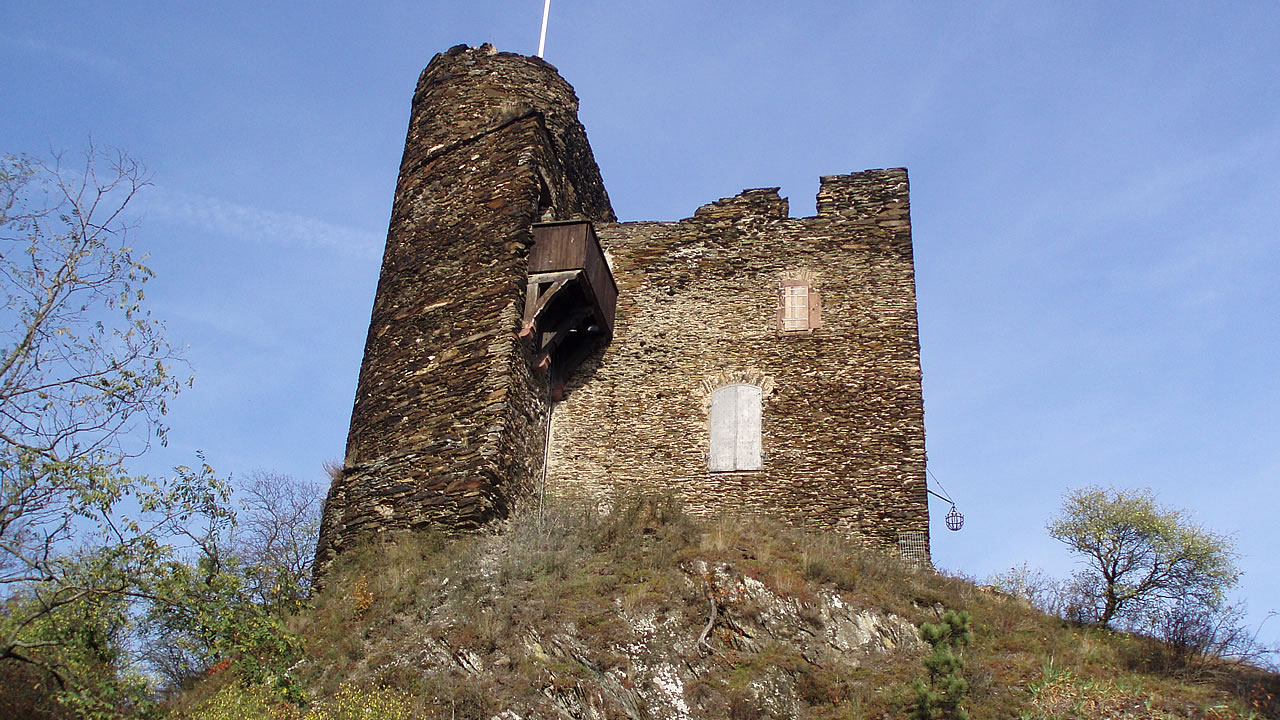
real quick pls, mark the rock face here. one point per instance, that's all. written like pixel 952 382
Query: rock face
pixel 760 363
pixel 659 665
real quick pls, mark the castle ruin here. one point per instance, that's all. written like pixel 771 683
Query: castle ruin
pixel 523 343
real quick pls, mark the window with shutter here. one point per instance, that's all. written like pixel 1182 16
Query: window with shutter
pixel 799 307
pixel 795 307
pixel 735 428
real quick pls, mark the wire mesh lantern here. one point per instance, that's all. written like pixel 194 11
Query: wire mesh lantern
pixel 955 520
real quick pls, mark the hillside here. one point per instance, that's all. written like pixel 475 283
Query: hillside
pixel 644 612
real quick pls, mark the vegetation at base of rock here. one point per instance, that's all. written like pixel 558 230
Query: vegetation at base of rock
pixel 111 581
pixel 946 689
pixel 195 604
pixel 638 608
pixel 237 701
pixel 226 600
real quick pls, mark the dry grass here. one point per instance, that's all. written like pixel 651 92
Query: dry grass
pixel 540 605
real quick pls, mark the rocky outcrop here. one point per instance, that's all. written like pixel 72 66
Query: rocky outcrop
pixel 662 662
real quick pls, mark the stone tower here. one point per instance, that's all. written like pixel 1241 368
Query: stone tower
pixel 748 361
pixel 449 419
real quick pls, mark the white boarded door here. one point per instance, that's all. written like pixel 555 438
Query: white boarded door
pixel 735 428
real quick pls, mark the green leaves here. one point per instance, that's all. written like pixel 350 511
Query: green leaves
pixel 89 554
pixel 81 364
pixel 84 376
pixel 1140 557
pixel 946 689
pixel 202 612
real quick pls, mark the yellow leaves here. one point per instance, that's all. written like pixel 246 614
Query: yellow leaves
pixel 235 702
pixel 353 703
pixel 361 597
pixel 1138 553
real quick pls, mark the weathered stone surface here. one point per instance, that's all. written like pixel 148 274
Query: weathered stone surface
pixel 449 426
pixel 657 658
pixel 449 422
pixel 843 420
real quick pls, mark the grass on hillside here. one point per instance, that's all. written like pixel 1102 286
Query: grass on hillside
pixel 437 627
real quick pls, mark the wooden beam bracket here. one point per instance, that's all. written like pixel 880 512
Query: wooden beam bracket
pixel 541 290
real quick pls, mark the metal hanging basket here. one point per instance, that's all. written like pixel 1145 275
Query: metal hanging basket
pixel 955 520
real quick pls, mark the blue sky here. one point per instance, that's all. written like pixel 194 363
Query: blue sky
pixel 1095 198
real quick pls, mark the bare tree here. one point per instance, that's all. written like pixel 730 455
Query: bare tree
pixel 278 528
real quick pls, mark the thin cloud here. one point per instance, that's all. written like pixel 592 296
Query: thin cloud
pixel 1149 190
pixel 1169 185
pixel 268 226
pixel 78 56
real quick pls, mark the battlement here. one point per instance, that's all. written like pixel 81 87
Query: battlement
pixel 879 196
pixel 524 344
pixel 758 202
pixel 803 328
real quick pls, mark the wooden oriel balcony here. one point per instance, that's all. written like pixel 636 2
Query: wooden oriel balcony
pixel 571 296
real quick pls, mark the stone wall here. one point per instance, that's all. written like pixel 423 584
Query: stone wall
pixel 449 427
pixel 449 422
pixel 843 418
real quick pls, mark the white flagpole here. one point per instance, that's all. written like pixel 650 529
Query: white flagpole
pixel 542 40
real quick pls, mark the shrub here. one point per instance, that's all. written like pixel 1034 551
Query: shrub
pixel 258 702
pixel 1188 637
pixel 941 698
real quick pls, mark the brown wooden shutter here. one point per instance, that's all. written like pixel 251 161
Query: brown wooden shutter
pixel 782 302
pixel 815 309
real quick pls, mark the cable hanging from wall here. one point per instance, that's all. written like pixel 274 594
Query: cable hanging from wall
pixel 955 520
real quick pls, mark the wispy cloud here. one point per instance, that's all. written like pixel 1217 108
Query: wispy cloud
pixel 1162 187
pixel 78 56
pixel 250 223
pixel 1147 190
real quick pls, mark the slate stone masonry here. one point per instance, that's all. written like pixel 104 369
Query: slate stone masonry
pixel 449 426
pixel 843 418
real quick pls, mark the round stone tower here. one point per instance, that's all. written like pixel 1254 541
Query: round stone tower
pixel 448 428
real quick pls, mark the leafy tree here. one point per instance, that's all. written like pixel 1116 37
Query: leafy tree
pixel 1139 557
pixel 946 689
pixel 226 601
pixel 87 550
pixel 206 617
pixel 85 373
